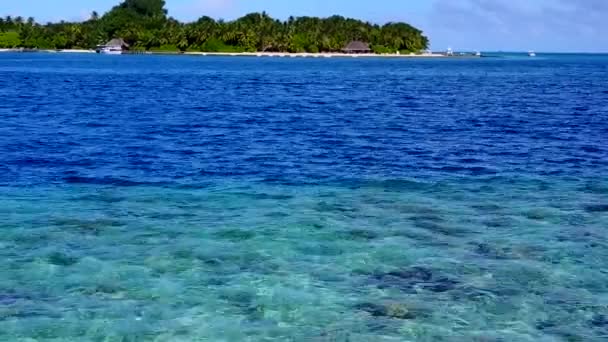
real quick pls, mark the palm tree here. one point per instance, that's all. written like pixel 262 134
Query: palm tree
pixel 143 23
pixel 205 28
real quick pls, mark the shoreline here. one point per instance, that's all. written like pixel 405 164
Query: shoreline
pixel 254 54
pixel 309 55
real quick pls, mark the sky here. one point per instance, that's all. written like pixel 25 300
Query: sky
pixel 466 25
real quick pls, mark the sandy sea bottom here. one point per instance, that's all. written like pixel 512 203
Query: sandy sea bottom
pixel 494 260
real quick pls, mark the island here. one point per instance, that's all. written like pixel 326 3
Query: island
pixel 145 26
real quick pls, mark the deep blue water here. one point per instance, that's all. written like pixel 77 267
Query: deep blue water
pixel 192 198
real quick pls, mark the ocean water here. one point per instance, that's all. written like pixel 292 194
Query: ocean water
pixel 273 199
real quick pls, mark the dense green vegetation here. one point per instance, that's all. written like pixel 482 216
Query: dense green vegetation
pixel 144 24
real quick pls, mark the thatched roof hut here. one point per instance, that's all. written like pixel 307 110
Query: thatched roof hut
pixel 357 47
pixel 117 42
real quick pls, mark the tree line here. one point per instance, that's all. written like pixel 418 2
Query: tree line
pixel 145 25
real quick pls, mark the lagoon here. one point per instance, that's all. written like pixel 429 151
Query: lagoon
pixel 180 198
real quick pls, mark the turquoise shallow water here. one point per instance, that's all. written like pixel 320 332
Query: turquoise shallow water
pixel 171 199
pixel 392 260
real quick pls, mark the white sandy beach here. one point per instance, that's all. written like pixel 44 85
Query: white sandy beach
pixel 261 54
pixel 314 55
pixel 49 50
pixel 75 51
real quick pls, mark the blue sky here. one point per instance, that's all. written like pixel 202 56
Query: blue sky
pixel 541 25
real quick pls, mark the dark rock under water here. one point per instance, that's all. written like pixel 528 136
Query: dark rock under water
pixel 413 279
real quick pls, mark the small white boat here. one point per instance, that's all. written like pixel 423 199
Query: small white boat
pixel 114 47
pixel 478 54
pixel 531 54
pixel 111 50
